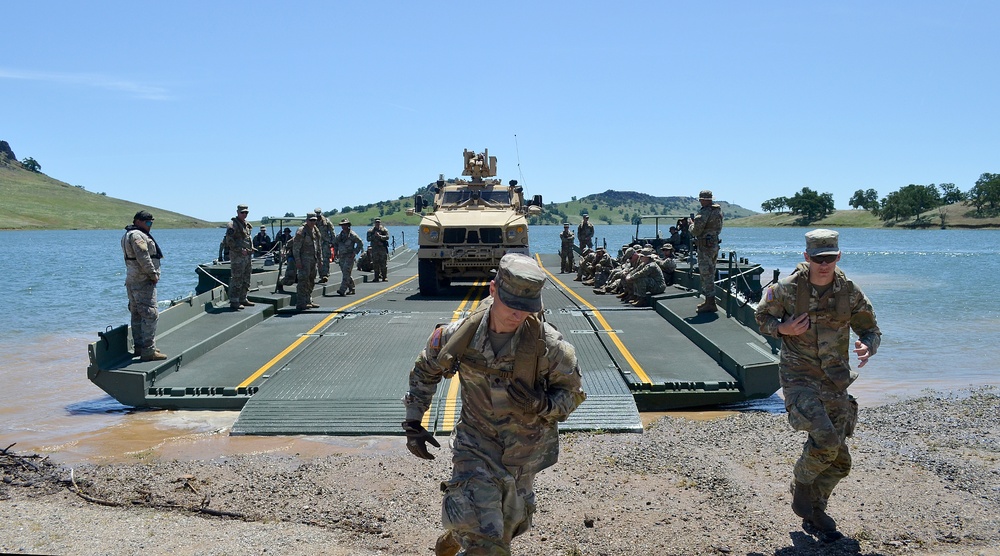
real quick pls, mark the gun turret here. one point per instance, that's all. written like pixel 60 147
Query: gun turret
pixel 479 165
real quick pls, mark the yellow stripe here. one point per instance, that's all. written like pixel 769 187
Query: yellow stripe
pixel 267 366
pixel 636 368
pixel 451 400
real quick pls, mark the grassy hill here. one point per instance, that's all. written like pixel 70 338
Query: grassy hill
pixel 957 215
pixel 32 200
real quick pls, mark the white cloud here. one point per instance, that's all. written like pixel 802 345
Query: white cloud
pixel 137 90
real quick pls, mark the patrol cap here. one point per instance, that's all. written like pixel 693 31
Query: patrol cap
pixel 143 215
pixel 318 210
pixel 566 224
pixel 312 217
pixel 263 228
pixel 519 283
pixel 646 252
pixel 378 220
pixel 705 194
pixel 345 222
pixel 666 247
pixel 822 242
pixel 586 216
pixel 241 208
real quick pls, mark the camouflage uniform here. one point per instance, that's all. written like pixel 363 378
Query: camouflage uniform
pixel 346 247
pixel 667 265
pixel 566 250
pixel 326 233
pixel 240 243
pixel 585 268
pixel 365 261
pixel 707 227
pixel 585 233
pixel 378 241
pixel 647 279
pixel 307 251
pixel 815 369
pixel 498 446
pixel 142 272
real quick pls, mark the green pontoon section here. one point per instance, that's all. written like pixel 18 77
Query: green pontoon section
pixel 342 369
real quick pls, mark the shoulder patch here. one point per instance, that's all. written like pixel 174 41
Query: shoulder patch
pixel 435 340
pixel 769 296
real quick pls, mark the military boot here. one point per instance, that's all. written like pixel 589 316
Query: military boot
pixel 247 303
pixel 708 306
pixel 447 545
pixel 152 355
pixel 802 503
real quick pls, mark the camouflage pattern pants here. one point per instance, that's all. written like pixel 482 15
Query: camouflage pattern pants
pixel 706 268
pixel 646 286
pixel 306 281
pixel 346 282
pixel 239 277
pixel 290 272
pixel 566 259
pixel 829 418
pixel 486 505
pixel 380 260
pixel 142 306
pixel 324 260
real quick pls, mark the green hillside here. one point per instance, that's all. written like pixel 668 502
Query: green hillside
pixel 34 201
pixel 958 215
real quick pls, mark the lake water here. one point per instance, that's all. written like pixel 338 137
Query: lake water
pixel 932 291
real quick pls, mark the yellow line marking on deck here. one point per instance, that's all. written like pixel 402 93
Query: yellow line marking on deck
pixel 451 399
pixel 636 368
pixel 267 366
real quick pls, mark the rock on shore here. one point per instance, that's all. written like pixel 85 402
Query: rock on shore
pixel 926 480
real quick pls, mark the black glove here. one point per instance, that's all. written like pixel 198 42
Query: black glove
pixel 416 436
pixel 527 399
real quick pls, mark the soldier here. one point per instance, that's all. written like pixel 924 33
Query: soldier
pixel 325 228
pixel 667 263
pixel 239 242
pixel 585 233
pixel 813 311
pixel 365 261
pixel 307 251
pixel 519 379
pixel 706 228
pixel 566 249
pixel 283 237
pixel 646 280
pixel 378 242
pixel 142 272
pixel 346 247
pixel 586 260
pixel 262 241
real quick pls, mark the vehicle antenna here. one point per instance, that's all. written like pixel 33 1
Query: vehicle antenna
pixel 518 151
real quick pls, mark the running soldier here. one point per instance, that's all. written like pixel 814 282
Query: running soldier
pixel 813 311
pixel 519 379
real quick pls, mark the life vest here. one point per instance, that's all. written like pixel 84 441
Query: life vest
pixel 529 353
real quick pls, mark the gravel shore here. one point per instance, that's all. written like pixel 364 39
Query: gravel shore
pixel 926 480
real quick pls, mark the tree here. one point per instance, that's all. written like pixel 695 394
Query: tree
pixel 775 204
pixel 811 205
pixel 909 202
pixel 951 194
pixel 867 200
pixel 31 165
pixel 985 195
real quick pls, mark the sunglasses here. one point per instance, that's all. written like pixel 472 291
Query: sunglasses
pixel 823 259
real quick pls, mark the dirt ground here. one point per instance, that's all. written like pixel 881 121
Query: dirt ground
pixel 926 480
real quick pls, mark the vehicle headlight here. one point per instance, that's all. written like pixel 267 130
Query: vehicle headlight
pixel 430 233
pixel 514 232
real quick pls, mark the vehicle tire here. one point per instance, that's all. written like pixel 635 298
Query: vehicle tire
pixel 428 277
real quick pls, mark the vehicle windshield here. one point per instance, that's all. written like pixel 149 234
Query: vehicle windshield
pixel 495 196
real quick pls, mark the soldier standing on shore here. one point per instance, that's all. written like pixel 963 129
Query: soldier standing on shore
pixel 566 250
pixel 240 243
pixel 706 228
pixel 378 242
pixel 519 379
pixel 585 233
pixel 326 233
pixel 142 272
pixel 813 311
pixel 346 247
pixel 306 251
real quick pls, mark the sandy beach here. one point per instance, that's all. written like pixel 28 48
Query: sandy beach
pixel 926 480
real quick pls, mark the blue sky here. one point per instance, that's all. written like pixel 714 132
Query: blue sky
pixel 195 107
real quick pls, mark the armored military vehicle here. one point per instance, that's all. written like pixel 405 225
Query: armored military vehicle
pixel 470 225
